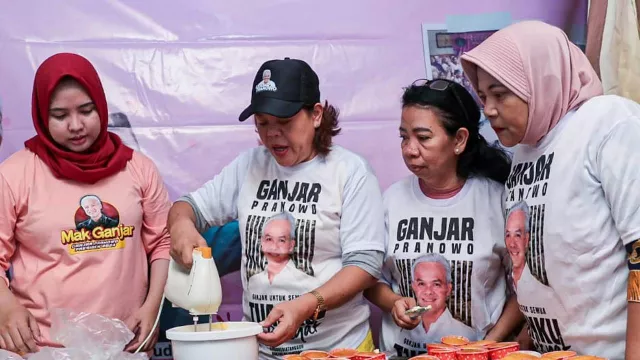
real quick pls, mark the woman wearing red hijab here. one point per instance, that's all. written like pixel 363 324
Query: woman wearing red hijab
pixel 83 216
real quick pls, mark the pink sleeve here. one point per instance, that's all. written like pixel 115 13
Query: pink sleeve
pixel 155 209
pixel 7 225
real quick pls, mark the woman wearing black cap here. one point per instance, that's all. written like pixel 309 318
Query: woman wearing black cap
pixel 310 298
pixel 445 224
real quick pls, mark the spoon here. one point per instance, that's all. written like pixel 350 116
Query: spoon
pixel 416 311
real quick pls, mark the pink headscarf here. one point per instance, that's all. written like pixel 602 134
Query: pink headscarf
pixel 538 63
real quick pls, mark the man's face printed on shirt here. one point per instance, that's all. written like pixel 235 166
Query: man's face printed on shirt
pixel 92 207
pixel 516 238
pixel 277 244
pixel 430 285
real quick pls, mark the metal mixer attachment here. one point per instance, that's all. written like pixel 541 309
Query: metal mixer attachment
pixel 196 319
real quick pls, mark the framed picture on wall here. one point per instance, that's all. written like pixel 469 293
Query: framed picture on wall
pixel 442 51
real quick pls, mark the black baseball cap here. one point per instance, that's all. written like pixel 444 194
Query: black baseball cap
pixel 282 87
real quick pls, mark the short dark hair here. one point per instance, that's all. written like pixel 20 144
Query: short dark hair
pixel 456 109
pixel 329 127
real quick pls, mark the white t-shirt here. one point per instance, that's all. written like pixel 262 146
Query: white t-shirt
pixel 468 230
pixel 582 185
pixel 542 320
pixel 337 203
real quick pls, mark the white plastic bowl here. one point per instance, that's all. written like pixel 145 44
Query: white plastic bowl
pixel 238 341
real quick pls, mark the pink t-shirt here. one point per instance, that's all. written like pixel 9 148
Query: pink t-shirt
pixel 81 247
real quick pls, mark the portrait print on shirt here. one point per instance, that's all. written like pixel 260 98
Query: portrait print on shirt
pixel 97 227
pixel 528 182
pixel 522 251
pixel 523 238
pixel 280 255
pixel 432 285
pixel 299 197
pixel 277 244
pixel 454 237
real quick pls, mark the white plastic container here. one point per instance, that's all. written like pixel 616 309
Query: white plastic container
pixel 238 341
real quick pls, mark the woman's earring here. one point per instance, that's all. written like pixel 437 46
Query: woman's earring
pixel 457 151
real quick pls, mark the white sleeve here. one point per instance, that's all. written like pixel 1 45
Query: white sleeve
pixel 217 200
pixel 385 277
pixel 502 246
pixel 618 169
pixel 362 221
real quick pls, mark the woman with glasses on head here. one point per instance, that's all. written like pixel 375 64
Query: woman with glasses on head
pixel 445 227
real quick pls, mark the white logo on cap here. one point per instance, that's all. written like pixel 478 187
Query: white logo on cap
pixel 266 84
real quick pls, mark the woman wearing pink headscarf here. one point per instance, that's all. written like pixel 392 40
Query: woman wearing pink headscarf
pixel 577 167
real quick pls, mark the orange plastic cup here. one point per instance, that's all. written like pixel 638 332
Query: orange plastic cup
pixel 454 340
pixel 499 350
pixel 482 343
pixel 472 354
pixel 315 354
pixel 524 354
pixel 444 354
pixel 519 355
pixel 469 348
pixel 586 357
pixel 294 357
pixel 437 346
pixel 559 355
pixel 424 357
pixel 501 345
pixel 345 353
pixel 366 355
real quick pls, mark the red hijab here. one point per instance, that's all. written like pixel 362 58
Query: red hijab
pixel 106 156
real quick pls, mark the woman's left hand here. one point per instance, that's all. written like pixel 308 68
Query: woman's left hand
pixel 140 323
pixel 289 315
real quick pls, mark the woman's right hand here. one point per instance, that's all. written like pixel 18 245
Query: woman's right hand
pixel 184 238
pixel 398 313
pixel 19 330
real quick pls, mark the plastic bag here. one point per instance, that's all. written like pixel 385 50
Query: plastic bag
pixel 77 354
pixel 48 353
pixel 87 337
pixel 7 355
pixel 130 356
pixel 91 332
